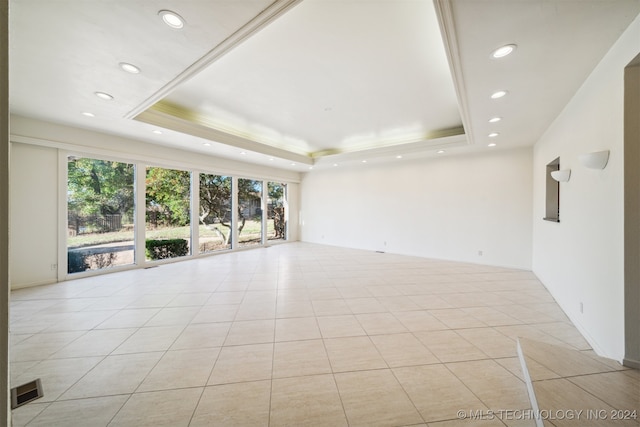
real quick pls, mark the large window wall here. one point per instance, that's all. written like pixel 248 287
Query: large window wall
pixel 186 213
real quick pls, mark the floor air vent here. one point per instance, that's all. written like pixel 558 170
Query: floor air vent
pixel 26 393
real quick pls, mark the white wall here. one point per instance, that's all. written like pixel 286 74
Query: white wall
pixel 580 259
pixel 447 207
pixel 34 214
pixel 35 186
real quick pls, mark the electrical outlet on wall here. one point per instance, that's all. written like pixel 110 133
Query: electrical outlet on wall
pixel 581 307
pixel 54 267
pixel 479 253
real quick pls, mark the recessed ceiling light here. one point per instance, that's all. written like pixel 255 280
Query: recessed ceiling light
pixel 271 159
pixel 129 68
pixel 335 164
pixel 503 51
pixel 157 132
pixel 293 164
pixel 440 151
pixel 498 94
pixel 398 156
pixel 206 144
pixel 364 161
pixel 493 144
pixel 172 19
pixel 104 96
pixel 495 119
pixel 88 114
pixel 243 153
pixel 310 167
pixel 493 134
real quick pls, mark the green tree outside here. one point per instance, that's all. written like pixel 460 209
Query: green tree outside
pixel 168 197
pixel 100 187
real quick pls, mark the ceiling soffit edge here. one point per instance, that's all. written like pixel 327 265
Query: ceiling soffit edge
pixel 178 118
pixel 187 115
pixel 446 20
pixel 430 140
pixel 276 9
pixel 429 147
pixel 169 121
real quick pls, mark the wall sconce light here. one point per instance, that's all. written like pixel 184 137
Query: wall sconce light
pixel 562 175
pixel 596 160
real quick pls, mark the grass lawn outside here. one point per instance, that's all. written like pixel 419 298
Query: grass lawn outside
pixel 250 232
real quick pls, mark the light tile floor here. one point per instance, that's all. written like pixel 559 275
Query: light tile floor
pixel 295 334
pixel 577 388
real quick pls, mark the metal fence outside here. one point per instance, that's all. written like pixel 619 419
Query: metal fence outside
pixel 86 224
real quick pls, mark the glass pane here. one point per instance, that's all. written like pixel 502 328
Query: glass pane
pixel 277 211
pixel 101 212
pixel 249 212
pixel 168 232
pixel 215 213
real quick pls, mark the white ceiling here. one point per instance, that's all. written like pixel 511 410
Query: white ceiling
pixel 310 82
